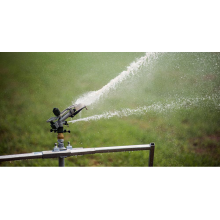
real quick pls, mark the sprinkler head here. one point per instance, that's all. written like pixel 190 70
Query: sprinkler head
pixel 59 121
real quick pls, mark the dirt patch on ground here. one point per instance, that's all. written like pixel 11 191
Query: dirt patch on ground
pixel 209 77
pixel 207 146
pixel 3 71
pixel 94 163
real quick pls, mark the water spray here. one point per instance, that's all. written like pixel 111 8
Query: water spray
pixel 92 97
pixel 180 103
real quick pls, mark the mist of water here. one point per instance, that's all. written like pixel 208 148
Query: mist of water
pixel 157 107
pixel 94 96
pixel 157 82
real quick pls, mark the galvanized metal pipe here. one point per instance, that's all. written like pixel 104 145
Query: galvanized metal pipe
pixel 80 151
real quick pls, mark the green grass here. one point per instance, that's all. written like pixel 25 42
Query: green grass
pixel 32 84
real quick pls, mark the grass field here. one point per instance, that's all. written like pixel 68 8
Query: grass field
pixel 32 84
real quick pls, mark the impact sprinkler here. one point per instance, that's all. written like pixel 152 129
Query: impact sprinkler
pixel 59 121
pixel 61 152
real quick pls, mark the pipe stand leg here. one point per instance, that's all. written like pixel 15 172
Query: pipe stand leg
pixel 151 155
pixel 61 162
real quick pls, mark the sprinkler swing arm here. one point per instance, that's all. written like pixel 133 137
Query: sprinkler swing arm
pixel 61 152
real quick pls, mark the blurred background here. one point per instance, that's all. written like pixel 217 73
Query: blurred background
pixel 185 134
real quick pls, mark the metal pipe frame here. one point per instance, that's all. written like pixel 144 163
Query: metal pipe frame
pixel 81 151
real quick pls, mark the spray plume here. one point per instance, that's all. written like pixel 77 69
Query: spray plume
pixel 158 107
pixel 92 97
